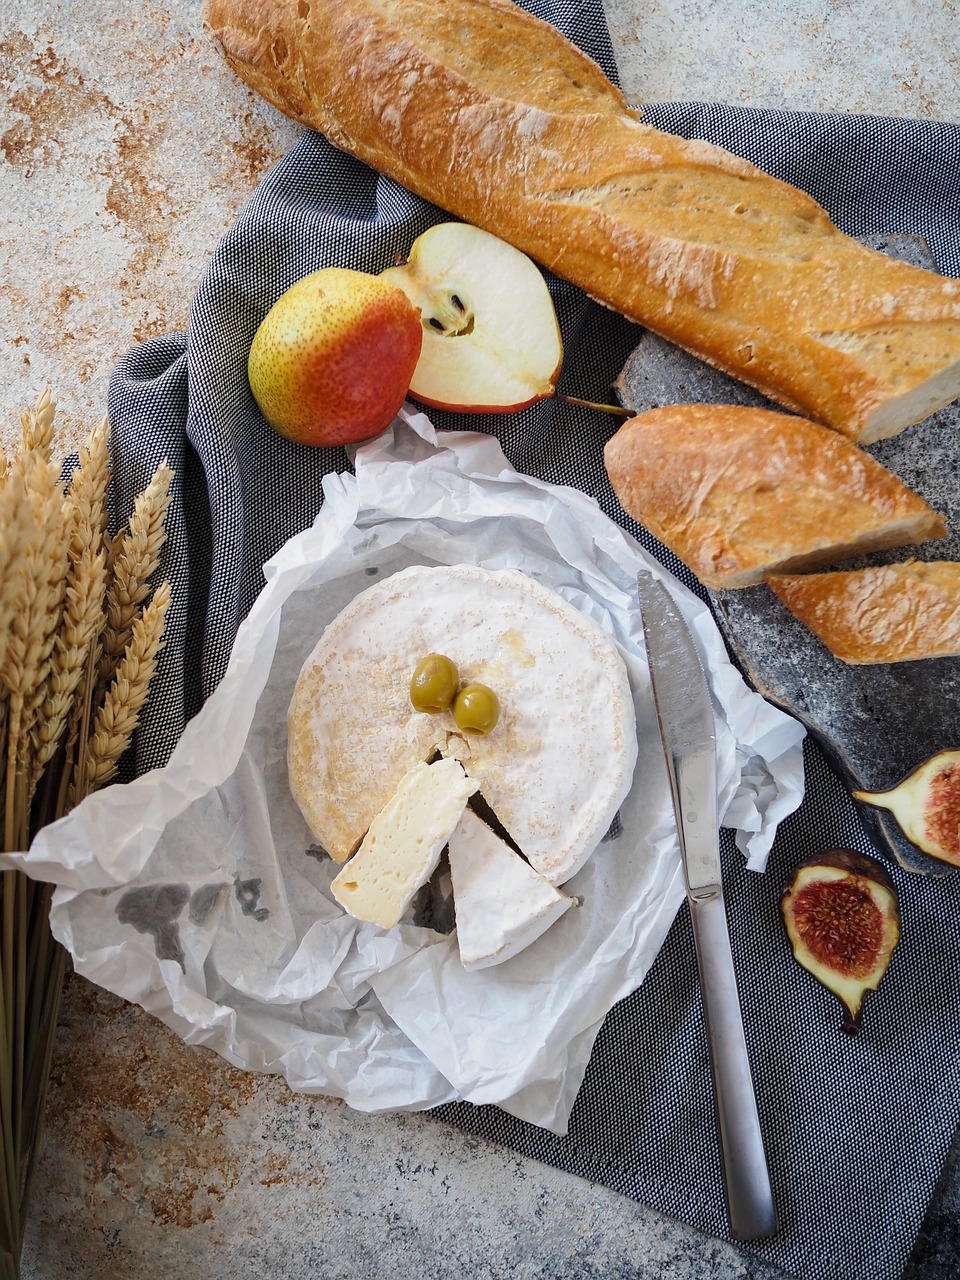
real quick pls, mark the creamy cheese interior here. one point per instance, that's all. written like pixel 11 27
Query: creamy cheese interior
pixel 400 851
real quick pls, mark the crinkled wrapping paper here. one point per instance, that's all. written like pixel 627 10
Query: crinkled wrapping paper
pixel 196 890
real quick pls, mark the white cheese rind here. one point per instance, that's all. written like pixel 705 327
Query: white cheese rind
pixel 502 904
pixel 556 767
pixel 402 847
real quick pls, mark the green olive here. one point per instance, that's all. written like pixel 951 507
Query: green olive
pixel 433 683
pixel 476 708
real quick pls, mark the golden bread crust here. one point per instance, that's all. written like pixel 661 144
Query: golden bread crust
pixel 494 116
pixel 886 613
pixel 738 492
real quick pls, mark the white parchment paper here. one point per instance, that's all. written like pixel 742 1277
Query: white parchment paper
pixel 196 892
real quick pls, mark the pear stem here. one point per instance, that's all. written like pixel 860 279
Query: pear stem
pixel 600 408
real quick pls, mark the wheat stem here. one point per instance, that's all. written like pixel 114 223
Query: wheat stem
pixel 48 977
pixel 7 1109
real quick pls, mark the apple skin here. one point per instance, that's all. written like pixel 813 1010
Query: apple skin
pixel 332 361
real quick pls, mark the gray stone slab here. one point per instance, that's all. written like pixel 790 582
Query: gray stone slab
pixel 876 722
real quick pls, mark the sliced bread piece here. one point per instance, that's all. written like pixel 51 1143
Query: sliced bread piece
pixel 738 492
pixel 885 613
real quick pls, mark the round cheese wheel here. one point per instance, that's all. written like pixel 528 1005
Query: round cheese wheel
pixel 554 769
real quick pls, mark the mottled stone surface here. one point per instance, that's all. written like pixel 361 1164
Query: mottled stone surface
pixel 163 1161
pixel 898 59
pixel 126 149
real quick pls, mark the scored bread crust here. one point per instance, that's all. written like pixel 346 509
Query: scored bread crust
pixel 493 115
pixel 737 492
pixel 885 613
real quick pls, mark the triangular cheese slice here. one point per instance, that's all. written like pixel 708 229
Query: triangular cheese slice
pixel 502 904
pixel 402 847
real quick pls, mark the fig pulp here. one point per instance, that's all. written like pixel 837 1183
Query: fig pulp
pixel 926 805
pixel 843 921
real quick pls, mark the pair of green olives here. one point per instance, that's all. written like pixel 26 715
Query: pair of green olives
pixel 435 687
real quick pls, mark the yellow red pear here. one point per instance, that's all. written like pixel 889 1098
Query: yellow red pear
pixel 332 360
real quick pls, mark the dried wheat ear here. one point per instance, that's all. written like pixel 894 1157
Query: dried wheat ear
pixel 81 622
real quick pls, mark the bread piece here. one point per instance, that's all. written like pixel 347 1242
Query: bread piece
pixel 495 117
pixel 738 492
pixel 886 613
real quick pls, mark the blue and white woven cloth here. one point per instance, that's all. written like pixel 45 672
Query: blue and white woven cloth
pixel 857 1127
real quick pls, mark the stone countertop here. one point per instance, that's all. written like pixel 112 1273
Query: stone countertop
pixel 127 150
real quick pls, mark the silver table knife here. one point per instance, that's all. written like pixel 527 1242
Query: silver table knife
pixel 685 716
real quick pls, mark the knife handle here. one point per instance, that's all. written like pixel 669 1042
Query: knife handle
pixel 750 1205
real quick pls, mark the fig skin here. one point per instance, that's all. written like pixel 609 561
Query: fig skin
pixel 926 805
pixel 843 921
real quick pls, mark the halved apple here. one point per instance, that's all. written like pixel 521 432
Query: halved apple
pixel 491 342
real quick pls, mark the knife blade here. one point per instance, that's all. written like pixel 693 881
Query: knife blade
pixel 685 717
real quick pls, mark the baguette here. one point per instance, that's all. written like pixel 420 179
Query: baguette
pixel 886 613
pixel 738 492
pixel 494 116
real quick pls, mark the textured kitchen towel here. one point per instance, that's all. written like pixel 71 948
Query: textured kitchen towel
pixel 857 1128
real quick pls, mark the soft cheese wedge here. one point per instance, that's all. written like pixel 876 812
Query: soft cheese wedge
pixel 502 904
pixel 401 849
pixel 560 760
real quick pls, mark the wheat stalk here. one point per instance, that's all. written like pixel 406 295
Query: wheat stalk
pixel 37 590
pixel 14 525
pixel 119 714
pixel 134 557
pixel 85 614
pixel 36 427
pixel 62 731
pixel 87 492
pixel 82 619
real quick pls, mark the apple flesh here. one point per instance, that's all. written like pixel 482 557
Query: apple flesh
pixel 491 342
pixel 332 360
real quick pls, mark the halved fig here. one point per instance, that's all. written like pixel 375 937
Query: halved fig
pixel 926 805
pixel 843 921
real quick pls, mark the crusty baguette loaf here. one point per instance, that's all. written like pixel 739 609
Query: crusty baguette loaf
pixel 738 492
pixel 886 613
pixel 492 115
